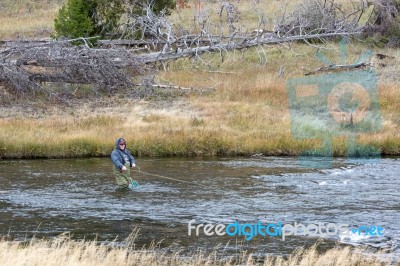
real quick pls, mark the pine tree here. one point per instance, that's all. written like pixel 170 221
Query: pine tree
pixel 86 18
pixel 166 5
pixel 73 20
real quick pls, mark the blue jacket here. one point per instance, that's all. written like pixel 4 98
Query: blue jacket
pixel 117 156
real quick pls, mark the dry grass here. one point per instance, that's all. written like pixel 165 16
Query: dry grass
pixel 271 9
pixel 64 251
pixel 27 19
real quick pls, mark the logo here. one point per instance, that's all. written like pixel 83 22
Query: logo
pixel 279 229
pixel 341 104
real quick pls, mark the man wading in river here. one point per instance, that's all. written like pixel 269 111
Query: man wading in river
pixel 123 161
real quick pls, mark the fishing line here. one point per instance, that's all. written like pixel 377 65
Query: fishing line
pixel 170 178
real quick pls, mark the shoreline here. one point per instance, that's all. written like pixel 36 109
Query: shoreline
pixel 202 156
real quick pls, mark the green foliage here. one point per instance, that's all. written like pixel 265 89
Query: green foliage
pixel 157 6
pixel 73 20
pixel 106 15
pixel 86 18
pixel 166 5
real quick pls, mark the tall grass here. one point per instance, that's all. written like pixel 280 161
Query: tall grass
pixel 64 251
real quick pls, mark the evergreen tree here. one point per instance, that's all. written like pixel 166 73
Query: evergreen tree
pixel 85 18
pixel 73 20
pixel 163 5
pixel 106 15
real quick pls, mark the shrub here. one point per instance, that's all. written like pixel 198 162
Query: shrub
pixel 86 18
pixel 73 20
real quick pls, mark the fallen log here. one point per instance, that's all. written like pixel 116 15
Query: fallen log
pixel 337 68
pixel 24 66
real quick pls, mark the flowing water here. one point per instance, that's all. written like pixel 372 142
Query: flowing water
pixel 46 198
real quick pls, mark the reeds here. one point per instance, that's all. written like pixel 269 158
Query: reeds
pixel 65 251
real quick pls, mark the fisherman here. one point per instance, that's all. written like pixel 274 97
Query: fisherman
pixel 123 161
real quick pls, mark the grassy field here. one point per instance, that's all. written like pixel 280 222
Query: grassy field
pixel 27 19
pixel 247 111
pixel 64 251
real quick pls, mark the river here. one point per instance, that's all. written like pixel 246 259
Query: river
pixel 45 198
